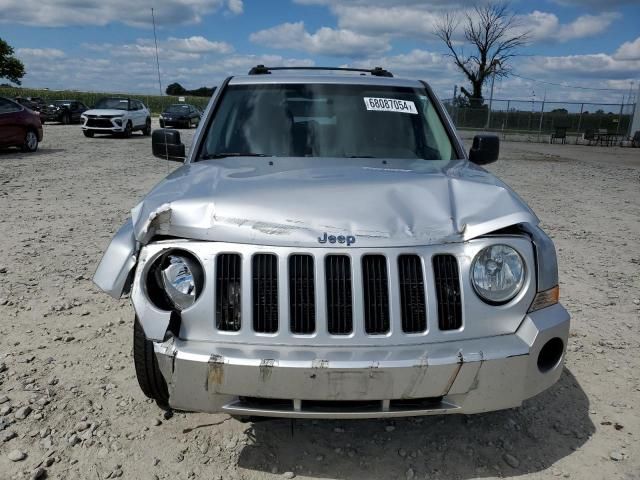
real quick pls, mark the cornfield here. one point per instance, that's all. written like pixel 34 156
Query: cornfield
pixel 156 103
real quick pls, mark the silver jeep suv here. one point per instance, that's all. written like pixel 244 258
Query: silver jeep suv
pixel 329 250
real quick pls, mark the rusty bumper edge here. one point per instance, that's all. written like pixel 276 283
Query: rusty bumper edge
pixel 468 376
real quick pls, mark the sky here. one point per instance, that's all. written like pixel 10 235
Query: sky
pixel 108 45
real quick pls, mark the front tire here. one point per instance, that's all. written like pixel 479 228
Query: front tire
pixel 146 131
pixel 30 141
pixel 150 378
pixel 128 130
pixel 66 119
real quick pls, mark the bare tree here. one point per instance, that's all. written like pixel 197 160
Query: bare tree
pixel 494 35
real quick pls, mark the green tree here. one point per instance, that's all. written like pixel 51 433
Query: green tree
pixel 10 67
pixel 175 89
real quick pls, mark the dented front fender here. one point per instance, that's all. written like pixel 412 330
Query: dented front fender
pixel 113 274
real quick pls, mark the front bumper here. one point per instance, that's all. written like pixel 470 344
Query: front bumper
pixel 114 129
pixel 175 122
pixel 469 376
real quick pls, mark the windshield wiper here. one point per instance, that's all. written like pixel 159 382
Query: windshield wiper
pixel 212 156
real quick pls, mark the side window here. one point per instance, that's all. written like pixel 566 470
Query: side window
pixel 8 107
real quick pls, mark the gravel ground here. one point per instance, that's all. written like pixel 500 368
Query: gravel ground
pixel 70 406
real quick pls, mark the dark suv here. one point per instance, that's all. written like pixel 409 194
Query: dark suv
pixel 69 111
pixel 180 115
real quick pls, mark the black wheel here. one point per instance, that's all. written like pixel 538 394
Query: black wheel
pixel 161 124
pixel 66 119
pixel 150 379
pixel 128 130
pixel 146 131
pixel 88 133
pixel 30 141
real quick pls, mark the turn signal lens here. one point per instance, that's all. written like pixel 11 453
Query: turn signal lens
pixel 545 299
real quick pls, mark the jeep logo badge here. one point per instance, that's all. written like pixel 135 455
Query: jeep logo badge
pixel 348 239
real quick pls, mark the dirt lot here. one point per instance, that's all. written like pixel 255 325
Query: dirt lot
pixel 65 348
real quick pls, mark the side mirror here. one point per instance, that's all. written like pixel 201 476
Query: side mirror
pixel 165 144
pixel 485 149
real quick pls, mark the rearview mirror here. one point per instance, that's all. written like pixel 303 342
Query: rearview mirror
pixel 165 144
pixel 485 149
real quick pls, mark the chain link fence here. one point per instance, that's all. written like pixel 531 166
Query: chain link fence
pixel 543 117
pixel 156 103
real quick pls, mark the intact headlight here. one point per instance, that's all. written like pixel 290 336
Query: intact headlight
pixel 181 278
pixel 497 274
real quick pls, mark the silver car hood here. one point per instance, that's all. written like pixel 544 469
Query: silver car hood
pixel 295 201
pixel 105 112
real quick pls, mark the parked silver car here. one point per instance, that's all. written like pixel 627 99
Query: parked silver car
pixel 329 250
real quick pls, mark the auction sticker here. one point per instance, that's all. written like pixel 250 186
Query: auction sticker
pixel 390 105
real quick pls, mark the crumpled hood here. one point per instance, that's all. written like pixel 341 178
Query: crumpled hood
pixel 106 112
pixel 294 201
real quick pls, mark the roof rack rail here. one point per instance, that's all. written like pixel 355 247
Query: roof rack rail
pixel 376 72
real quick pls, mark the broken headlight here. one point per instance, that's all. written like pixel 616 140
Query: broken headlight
pixel 497 274
pixel 179 275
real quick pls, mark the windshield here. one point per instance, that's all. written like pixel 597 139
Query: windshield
pixel 324 120
pixel 177 109
pixel 113 104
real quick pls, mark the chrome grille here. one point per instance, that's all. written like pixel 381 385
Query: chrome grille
pixel 412 299
pixel 339 296
pixel 376 294
pixel 265 293
pixel 302 297
pixel 228 288
pixel 447 279
pixel 345 298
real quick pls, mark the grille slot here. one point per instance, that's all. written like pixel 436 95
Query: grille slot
pixel 412 301
pixel 339 296
pixel 265 293
pixel 376 294
pixel 447 278
pixel 228 292
pixel 302 297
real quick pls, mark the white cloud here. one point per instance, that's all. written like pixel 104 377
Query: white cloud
pixel 325 41
pixel 235 6
pixel 197 44
pixel 629 50
pixel 407 21
pixel 39 53
pixel 416 61
pixel 56 13
pixel 594 67
pixel 545 26
pixel 192 70
pixel 598 4
pixel 172 49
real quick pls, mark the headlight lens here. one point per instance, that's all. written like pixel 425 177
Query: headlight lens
pixel 497 273
pixel 181 277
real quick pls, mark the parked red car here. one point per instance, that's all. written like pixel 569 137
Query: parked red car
pixel 19 126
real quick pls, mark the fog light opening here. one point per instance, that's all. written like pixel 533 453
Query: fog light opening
pixel 550 354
